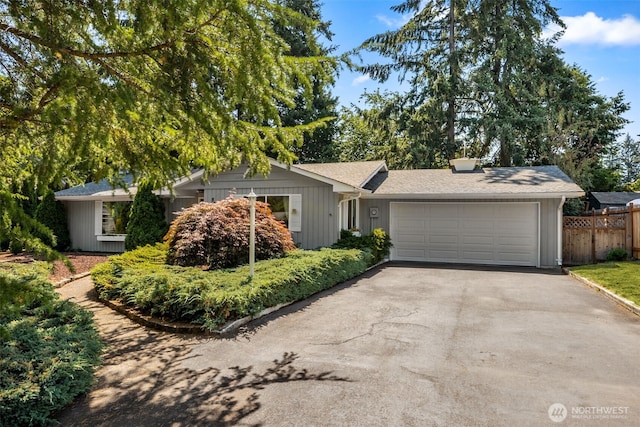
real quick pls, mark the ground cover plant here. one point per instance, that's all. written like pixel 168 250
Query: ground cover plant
pixel 622 278
pixel 49 348
pixel 143 280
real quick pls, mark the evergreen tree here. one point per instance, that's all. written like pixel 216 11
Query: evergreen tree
pixel 420 54
pixel 52 214
pixel 317 146
pixel 148 87
pixel 147 224
pixel 580 126
pixel 513 98
pixel 628 157
pixel 469 59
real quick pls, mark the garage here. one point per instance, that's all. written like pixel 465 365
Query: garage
pixel 466 232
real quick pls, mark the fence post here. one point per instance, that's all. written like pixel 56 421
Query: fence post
pixel 593 236
pixel 631 229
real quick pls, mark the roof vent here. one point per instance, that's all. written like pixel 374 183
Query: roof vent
pixel 464 164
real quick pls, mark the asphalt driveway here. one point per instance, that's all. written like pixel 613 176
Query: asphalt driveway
pixel 405 344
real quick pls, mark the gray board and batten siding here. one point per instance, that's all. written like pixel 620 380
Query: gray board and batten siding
pixel 319 217
pixel 84 238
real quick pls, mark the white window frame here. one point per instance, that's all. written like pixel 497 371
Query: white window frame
pixel 98 222
pixel 346 213
pixel 294 216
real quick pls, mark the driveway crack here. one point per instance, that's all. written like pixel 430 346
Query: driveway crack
pixel 371 329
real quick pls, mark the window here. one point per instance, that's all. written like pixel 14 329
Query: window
pixel 352 212
pixel 286 208
pixel 349 213
pixel 112 219
pixel 279 207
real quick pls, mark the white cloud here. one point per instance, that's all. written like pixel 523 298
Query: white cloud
pixel 361 79
pixel 590 29
pixel 602 79
pixel 399 20
pixel 393 22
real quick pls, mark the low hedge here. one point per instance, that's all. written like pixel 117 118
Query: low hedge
pixel 212 298
pixel 378 243
pixel 49 348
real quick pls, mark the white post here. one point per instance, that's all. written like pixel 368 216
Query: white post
pixel 252 232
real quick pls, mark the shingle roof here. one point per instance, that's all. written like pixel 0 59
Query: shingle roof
pixel 355 174
pixel 615 198
pixel 94 188
pixel 440 183
pixel 491 181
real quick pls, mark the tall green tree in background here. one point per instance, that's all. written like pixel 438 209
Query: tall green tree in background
pixel 419 53
pixel 483 61
pixel 505 48
pixel 516 101
pixel 628 158
pixel 375 133
pixel 318 103
pixel 148 87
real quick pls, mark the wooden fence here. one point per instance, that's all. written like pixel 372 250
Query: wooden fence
pixel 588 239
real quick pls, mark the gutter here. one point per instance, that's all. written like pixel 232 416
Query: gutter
pixel 473 196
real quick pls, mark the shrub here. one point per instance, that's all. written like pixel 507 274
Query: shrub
pixel 48 348
pixel 617 254
pixel 378 243
pixel 211 298
pixel 147 224
pixel 16 246
pixel 50 212
pixel 217 235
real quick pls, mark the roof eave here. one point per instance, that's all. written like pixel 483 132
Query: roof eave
pixel 476 196
pixel 338 187
pixel 381 167
pixel 97 196
pixel 187 179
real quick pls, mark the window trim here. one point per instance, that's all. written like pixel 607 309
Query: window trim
pixel 111 237
pixel 345 216
pixel 294 216
pixel 98 205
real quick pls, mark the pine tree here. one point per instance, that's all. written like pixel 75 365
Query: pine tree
pixel 628 155
pixel 52 214
pixel 472 60
pixel 317 146
pixel 514 101
pixel 147 224
pixel 92 89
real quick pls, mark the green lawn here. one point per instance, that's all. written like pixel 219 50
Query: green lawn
pixel 623 277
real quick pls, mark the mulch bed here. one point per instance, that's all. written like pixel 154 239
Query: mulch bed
pixel 82 263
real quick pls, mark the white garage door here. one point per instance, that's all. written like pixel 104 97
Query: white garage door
pixel 476 233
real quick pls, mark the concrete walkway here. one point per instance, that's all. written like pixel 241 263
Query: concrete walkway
pixel 405 344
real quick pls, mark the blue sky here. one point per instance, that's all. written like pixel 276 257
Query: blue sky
pixel 602 37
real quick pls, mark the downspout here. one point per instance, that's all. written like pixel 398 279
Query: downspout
pixel 560 231
pixel 340 203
